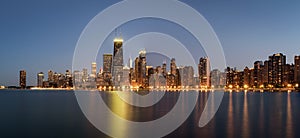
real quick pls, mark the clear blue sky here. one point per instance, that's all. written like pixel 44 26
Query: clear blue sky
pixel 38 35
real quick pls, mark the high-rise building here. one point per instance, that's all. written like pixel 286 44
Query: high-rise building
pixel 164 69
pixel 288 75
pixel 84 75
pixel 229 77
pixel 94 70
pixel 107 63
pixel 107 68
pixel 204 72
pixel 222 79
pixel 247 77
pixel 297 70
pixel 239 79
pixel 130 62
pixel 276 69
pixel 186 74
pixel 265 73
pixel 68 79
pixel 125 82
pixel 77 78
pixel 173 66
pixel 215 78
pixel 50 76
pixel 173 77
pixel 140 69
pixel 23 79
pixel 117 72
pixel 257 73
pixel 40 79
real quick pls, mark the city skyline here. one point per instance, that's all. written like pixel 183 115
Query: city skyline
pixel 154 68
pixel 273 72
pixel 36 41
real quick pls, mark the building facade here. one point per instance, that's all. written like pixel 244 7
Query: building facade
pixel 40 79
pixel 22 79
pixel 204 72
pixel 297 70
pixel 117 67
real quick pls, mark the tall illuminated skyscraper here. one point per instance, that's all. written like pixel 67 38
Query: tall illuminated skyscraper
pixel 40 79
pixel 204 72
pixel 117 72
pixel 140 69
pixel 23 79
pixel 94 70
pixel 297 70
pixel 276 69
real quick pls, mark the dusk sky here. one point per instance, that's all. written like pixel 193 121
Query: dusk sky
pixel 38 35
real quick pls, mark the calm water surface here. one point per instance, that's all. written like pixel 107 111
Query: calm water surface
pixel 26 113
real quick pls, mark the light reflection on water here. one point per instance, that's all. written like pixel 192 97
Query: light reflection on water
pixel 56 114
pixel 289 122
pixel 230 118
pixel 245 130
pixel 242 118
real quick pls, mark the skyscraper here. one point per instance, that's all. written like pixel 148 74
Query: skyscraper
pixel 94 70
pixel 265 73
pixel 40 79
pixel 186 76
pixel 140 69
pixel 50 76
pixel 107 63
pixel 276 69
pixel 117 61
pixel 84 75
pixel 288 75
pixel 247 77
pixel 77 78
pixel 164 69
pixel 257 73
pixel 107 69
pixel 215 77
pixel 130 62
pixel 297 70
pixel 173 66
pixel 173 78
pixel 23 79
pixel 204 72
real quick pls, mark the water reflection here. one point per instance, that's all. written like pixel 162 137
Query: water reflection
pixel 119 107
pixel 247 114
pixel 261 113
pixel 289 122
pixel 245 126
pixel 230 124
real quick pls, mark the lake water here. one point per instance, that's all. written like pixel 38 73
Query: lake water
pixel 28 113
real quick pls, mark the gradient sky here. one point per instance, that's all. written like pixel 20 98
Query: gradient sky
pixel 38 35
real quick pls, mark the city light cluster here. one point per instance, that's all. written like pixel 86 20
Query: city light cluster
pixel 273 73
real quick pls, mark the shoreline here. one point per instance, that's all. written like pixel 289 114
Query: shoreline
pixel 167 90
